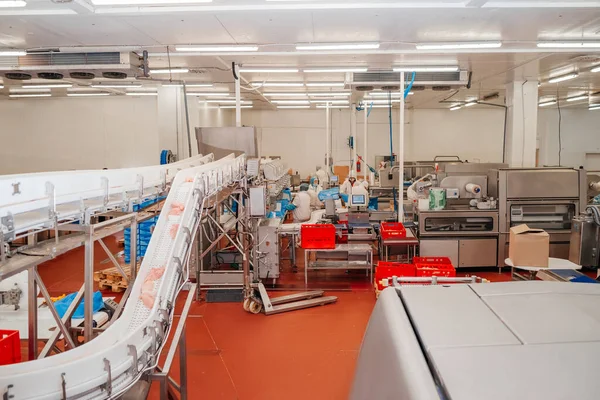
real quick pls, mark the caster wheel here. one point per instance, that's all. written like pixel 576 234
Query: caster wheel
pixel 255 307
pixel 246 304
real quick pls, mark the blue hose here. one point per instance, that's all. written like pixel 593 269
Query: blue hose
pixel 406 92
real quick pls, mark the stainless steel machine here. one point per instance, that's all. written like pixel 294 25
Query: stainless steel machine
pixel 544 198
pixel 585 238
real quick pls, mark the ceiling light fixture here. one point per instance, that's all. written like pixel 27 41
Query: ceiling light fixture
pixel 47 86
pixel 225 101
pixel 471 103
pixel 187 85
pixel 292 102
pixel 595 69
pixel 333 94
pixel 568 45
pixel 216 48
pixel 12 3
pixel 563 78
pixel 12 53
pixel 547 103
pixel 1 86
pixel 432 68
pixel 386 94
pixel 459 46
pixel 594 107
pixel 577 98
pixel 170 71
pixel 454 108
pixel 31 95
pixel 233 107
pixel 338 46
pixel 378 105
pixel 285 94
pixel 291 107
pixel 87 94
pixel 25 90
pixel 325 84
pixel 143 2
pixel 268 70
pixel 382 101
pixel 330 101
pixel 276 84
pixel 117 86
pixel 142 93
pixel 336 69
pixel 209 94
pixel 333 106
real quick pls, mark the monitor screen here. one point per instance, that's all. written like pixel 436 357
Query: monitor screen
pixel 334 179
pixel 358 200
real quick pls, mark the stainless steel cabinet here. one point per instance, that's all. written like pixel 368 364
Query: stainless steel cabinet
pixel 464 253
pixel 440 248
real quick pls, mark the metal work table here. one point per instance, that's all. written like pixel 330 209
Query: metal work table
pixel 553 263
pixel 410 241
pixel 346 264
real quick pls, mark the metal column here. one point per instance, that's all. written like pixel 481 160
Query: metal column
pixel 88 294
pixel 32 313
pixel 401 153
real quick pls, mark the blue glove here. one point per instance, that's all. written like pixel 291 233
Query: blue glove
pixel 290 207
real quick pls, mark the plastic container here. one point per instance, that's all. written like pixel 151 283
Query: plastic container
pixel 10 347
pixel 317 236
pixel 434 266
pixel 392 230
pixel 437 199
pixel 385 270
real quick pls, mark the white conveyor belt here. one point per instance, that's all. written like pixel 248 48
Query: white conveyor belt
pixel 109 364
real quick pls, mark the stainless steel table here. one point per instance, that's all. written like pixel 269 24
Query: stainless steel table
pixel 553 263
pixel 350 250
pixel 410 242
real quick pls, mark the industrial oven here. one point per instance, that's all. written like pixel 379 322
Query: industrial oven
pixel 543 198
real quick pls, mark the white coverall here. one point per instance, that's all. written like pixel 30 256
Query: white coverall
pixel 323 176
pixel 302 203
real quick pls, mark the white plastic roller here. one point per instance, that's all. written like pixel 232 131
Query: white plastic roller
pixel 473 188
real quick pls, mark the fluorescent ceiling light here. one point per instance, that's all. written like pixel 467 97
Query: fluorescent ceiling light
pixel 336 69
pixel 117 86
pixel 209 94
pixel 338 46
pixel 471 103
pixel 31 95
pixel 290 107
pixel 563 78
pixel 577 98
pixel 187 85
pixel 217 48
pixel 325 84
pixel 12 3
pixel 268 70
pixel 454 108
pixel 426 69
pixel 170 71
pixel 332 106
pixel 331 101
pixel 142 2
pixel 142 93
pixel 25 90
pixel 294 102
pixel 381 101
pixel 568 45
pixel 87 94
pixel 232 107
pixel 547 103
pixel 285 94
pixel 595 69
pixel 327 94
pixel 47 85
pixel 459 46
pixel 594 107
pixel 226 101
pixel 378 106
pixel 1 86
pixel 380 95
pixel 277 84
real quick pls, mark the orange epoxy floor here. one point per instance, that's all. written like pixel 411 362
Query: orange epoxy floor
pixel 235 355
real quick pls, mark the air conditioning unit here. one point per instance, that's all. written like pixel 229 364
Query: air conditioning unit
pixel 54 65
pixel 391 80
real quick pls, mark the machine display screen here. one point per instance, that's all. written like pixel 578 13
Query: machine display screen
pixel 334 179
pixel 358 200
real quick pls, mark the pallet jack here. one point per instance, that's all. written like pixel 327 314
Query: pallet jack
pixel 261 302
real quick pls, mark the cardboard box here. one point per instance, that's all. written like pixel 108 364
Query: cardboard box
pixel 529 247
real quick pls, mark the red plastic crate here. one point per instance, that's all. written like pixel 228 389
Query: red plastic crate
pixel 385 270
pixel 10 347
pixel 317 236
pixel 392 230
pixel 434 266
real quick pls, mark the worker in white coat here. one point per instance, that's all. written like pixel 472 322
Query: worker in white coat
pixel 346 187
pixel 361 188
pixel 322 175
pixel 302 203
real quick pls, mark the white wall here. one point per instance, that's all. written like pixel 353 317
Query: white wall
pixel 298 136
pixel 580 135
pixel 92 133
